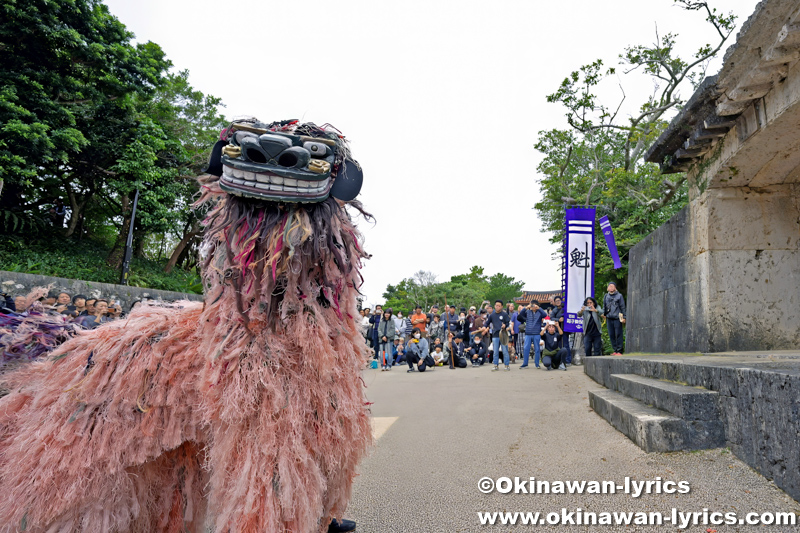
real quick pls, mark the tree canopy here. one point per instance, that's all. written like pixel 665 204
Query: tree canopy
pixel 463 290
pixel 598 159
pixel 89 117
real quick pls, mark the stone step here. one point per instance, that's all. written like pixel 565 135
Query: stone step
pixel 652 429
pixel 683 401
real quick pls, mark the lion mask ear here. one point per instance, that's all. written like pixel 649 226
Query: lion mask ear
pixel 349 179
pixel 215 161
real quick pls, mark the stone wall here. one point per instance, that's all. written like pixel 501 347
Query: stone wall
pixel 18 284
pixel 722 274
pixel 665 307
pixel 759 401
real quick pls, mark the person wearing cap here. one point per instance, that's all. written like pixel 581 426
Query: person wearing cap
pixel 615 311
pixel 471 316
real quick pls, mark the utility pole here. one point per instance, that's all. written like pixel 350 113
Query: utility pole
pixel 126 261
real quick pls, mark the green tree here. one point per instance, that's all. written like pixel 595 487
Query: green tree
pixel 502 287
pixel 61 62
pixel 166 151
pixel 462 290
pixel 598 160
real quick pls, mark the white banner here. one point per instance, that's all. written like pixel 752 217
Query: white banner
pixel 579 263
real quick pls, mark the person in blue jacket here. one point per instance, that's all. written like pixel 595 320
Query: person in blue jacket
pixel 532 317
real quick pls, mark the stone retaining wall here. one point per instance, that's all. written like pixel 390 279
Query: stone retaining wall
pixel 759 402
pixel 18 284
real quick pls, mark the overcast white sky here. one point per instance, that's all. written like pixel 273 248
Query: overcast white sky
pixel 441 101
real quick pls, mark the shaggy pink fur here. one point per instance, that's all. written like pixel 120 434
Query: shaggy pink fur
pixel 245 413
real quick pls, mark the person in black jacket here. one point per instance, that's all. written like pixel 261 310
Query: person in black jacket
pixel 457 359
pixel 375 320
pixel 499 320
pixel 553 355
pixel 7 304
pixel 592 340
pixel 476 351
pixel 559 314
pixel 615 312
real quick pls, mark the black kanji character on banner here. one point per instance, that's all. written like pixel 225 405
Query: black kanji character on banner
pixel 580 259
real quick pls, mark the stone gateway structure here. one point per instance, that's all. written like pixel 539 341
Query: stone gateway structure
pixel 724 273
pixel 722 276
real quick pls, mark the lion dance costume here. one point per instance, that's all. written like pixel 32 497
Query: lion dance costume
pixel 244 413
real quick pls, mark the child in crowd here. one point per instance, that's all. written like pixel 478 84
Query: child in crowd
pixel 438 355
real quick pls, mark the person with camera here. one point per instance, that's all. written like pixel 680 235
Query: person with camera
pixel 614 304
pixel 553 355
pixel 532 316
pixel 592 338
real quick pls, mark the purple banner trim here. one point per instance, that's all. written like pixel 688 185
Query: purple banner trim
pixel 578 264
pixel 608 233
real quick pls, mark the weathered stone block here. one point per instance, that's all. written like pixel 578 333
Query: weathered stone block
pixel 688 403
pixel 759 399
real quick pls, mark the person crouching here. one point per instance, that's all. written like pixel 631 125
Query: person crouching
pixel 417 353
pixel 476 351
pixel 552 355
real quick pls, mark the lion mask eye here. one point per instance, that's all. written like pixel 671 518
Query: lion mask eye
pixel 317 150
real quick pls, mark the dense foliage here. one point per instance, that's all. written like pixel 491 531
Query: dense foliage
pixel 72 259
pixel 598 159
pixel 463 290
pixel 87 118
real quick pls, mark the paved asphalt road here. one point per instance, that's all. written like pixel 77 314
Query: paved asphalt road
pixel 454 427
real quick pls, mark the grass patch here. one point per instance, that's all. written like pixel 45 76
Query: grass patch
pixel 86 260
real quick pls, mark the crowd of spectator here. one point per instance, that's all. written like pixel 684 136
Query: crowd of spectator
pixel 79 309
pixel 477 336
